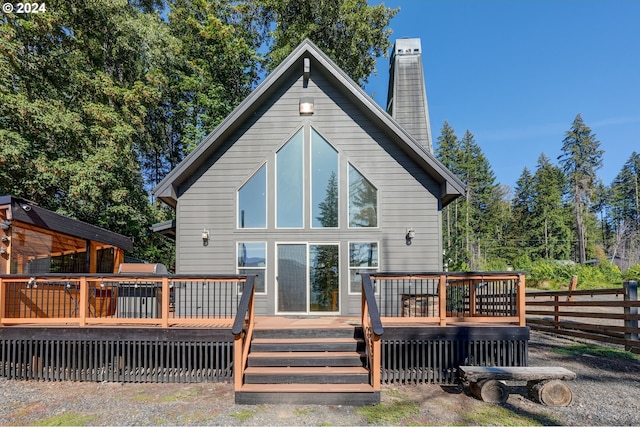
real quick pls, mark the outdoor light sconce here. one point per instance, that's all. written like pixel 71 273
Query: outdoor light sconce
pixel 5 239
pixel 3 251
pixel 205 237
pixel 306 106
pixel 411 233
pixel 26 207
pixel 5 224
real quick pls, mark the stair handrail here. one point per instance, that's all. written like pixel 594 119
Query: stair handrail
pixel 370 307
pixel 372 329
pixel 242 330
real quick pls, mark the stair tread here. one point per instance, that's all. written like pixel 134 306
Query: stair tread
pixel 307 388
pixel 308 370
pixel 303 354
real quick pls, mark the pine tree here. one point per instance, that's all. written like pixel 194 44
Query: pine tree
pixel 624 206
pixel 522 207
pixel 581 158
pixel 551 232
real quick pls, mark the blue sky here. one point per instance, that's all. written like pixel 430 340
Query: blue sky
pixel 516 74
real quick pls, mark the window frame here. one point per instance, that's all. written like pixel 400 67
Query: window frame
pixel 301 130
pixel 360 268
pixel 266 198
pixel 311 201
pixel 264 269
pixel 349 166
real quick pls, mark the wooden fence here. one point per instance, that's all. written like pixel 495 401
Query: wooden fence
pixel 604 315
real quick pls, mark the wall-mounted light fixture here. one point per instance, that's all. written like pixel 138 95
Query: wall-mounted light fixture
pixel 3 251
pixel 6 224
pixel 26 207
pixel 411 233
pixel 306 105
pixel 205 237
pixel 5 239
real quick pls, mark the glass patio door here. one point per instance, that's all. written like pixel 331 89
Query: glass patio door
pixel 308 278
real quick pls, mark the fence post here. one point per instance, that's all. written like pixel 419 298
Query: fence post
pixel 631 294
pixel 556 312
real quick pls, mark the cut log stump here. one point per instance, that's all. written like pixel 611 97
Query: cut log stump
pixel 550 392
pixel 490 391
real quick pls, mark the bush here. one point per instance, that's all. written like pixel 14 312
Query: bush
pixel 553 274
pixel 632 274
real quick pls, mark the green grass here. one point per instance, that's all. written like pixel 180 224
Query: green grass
pixel 393 412
pixel 495 415
pixel 66 419
pixel 301 412
pixel 596 350
pixel 244 415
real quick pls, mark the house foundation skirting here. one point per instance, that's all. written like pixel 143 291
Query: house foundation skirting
pixel 433 354
pixel 117 354
pixel 185 355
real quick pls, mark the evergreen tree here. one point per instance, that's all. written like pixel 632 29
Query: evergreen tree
pixel 522 207
pixel 448 152
pixel 624 207
pixel 551 238
pixel 581 158
pixel 474 226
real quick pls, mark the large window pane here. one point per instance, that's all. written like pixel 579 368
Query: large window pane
pixel 324 182
pixel 252 201
pixel 252 259
pixel 363 258
pixel 324 278
pixel 290 183
pixel 363 201
pixel 292 278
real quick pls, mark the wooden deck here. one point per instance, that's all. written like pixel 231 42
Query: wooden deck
pixel 193 329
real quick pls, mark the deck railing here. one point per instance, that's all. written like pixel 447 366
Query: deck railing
pixel 242 330
pixel 450 297
pixel 372 329
pixel 142 299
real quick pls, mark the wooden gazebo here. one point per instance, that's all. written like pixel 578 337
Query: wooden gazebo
pixel 35 240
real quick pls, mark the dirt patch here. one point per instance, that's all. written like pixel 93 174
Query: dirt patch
pixel 605 393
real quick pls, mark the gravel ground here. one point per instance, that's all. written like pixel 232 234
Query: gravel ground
pixel 605 393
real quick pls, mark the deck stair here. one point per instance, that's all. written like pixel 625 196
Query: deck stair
pixel 309 366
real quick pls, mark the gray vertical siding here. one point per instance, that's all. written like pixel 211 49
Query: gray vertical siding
pixel 407 195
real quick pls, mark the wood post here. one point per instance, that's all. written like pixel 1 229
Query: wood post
pixel 521 293
pixel 573 285
pixel 3 300
pixel 166 296
pixel 556 312
pixel 84 301
pixel 238 368
pixel 442 299
pixel 376 367
pixel 631 294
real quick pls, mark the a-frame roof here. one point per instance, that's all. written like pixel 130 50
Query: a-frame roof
pixel 451 187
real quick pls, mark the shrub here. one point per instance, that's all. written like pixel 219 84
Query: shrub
pixel 553 274
pixel 632 274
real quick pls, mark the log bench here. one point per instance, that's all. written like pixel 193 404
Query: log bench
pixel 544 384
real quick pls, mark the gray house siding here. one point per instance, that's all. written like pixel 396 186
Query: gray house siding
pixel 407 195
